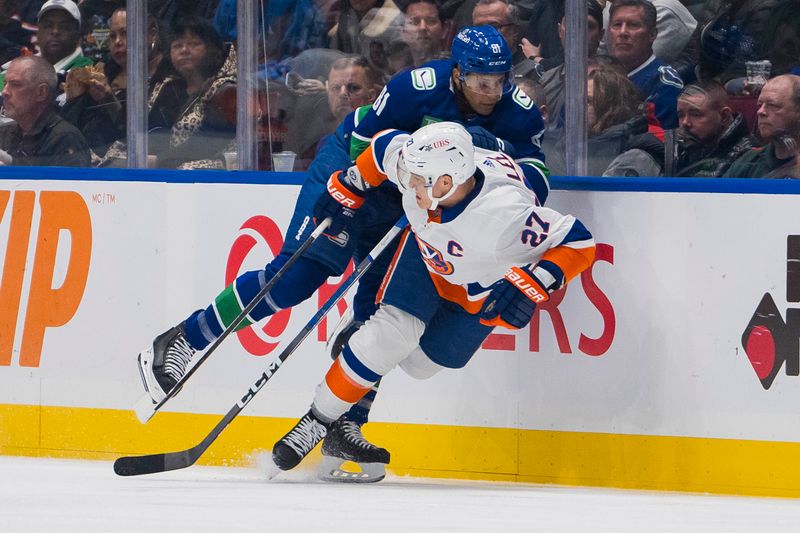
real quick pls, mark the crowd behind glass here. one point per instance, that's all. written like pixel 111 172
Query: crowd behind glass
pixel 692 88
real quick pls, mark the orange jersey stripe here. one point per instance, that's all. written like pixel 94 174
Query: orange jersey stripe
pixel 342 386
pixel 368 168
pixel 382 289
pixel 571 261
pixel 456 294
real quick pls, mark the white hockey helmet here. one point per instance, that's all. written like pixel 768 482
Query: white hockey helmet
pixel 433 151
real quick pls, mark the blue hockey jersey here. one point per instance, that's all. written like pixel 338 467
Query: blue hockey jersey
pixel 660 84
pixel 424 95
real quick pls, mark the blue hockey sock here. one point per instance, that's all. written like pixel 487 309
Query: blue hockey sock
pixel 296 285
pixel 359 413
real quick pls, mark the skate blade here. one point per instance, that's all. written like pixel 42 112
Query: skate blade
pixel 268 466
pixel 151 386
pixel 144 408
pixel 331 471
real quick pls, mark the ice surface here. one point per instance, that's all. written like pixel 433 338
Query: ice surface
pixel 50 495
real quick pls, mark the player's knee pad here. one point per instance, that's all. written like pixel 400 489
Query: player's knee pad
pixel 386 339
pixel 419 366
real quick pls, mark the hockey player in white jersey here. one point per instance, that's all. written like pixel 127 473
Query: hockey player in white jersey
pixel 481 252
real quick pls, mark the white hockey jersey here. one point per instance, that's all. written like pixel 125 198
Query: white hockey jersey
pixel 470 246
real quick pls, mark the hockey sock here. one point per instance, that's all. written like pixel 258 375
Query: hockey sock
pixel 295 286
pixel 359 413
pixel 346 382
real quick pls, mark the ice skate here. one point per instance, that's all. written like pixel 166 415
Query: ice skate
pixel 345 442
pixel 163 363
pixel 344 329
pixel 295 445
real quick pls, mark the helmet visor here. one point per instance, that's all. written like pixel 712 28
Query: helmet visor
pixel 406 172
pixel 487 84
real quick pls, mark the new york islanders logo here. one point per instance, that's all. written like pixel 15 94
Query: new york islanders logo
pixel 434 258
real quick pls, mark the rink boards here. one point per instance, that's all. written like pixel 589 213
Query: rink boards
pixel 672 364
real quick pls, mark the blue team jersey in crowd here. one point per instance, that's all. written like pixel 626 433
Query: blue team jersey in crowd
pixel 424 95
pixel 660 84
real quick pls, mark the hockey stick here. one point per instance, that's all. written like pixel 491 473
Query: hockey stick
pixel 146 408
pixel 163 462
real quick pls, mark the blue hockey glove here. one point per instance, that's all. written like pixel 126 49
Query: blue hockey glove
pixel 513 299
pixel 340 203
pixel 483 138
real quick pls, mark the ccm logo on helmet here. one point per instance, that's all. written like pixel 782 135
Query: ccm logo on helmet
pixel 524 284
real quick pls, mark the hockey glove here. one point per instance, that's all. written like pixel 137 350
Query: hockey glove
pixel 513 299
pixel 483 138
pixel 341 203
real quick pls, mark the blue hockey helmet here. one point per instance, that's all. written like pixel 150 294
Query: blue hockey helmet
pixel 482 50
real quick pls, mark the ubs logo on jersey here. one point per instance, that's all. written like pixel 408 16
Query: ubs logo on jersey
pixel 767 340
pixel 434 258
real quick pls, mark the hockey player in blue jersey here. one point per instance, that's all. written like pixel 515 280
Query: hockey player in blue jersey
pixel 472 88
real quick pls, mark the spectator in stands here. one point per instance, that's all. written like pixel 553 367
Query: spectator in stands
pixel 676 26
pixel 58 38
pixel 782 49
pixel 95 96
pixel 553 80
pixel 193 115
pixel 13 37
pixel 779 127
pixel 291 27
pixel 540 41
pixel 619 142
pixel 632 32
pixel 424 31
pixel 734 32
pixel 710 135
pixel 367 28
pixel 536 92
pixel 784 52
pixel 41 137
pixel 95 22
pixel 504 17
pixel 168 12
pixel 352 82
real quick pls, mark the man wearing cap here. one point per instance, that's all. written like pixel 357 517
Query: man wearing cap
pixel 59 37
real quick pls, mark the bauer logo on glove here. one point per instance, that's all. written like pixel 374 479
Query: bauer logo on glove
pixel 525 283
pixel 340 204
pixel 513 299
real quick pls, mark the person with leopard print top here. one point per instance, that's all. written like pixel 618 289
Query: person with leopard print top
pixel 192 119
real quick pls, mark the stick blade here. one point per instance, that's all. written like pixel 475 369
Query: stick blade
pixel 137 466
pixel 155 463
